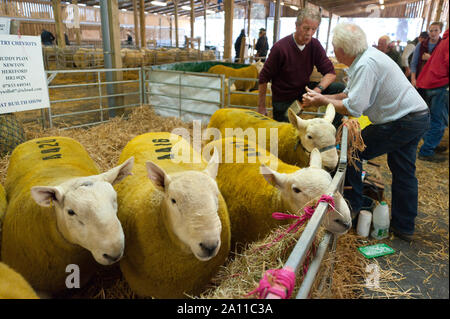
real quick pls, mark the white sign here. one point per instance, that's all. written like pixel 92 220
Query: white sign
pixel 4 25
pixel 23 84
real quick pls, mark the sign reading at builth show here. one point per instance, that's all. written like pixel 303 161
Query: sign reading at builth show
pixel 23 84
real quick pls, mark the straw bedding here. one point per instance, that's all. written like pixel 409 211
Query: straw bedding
pixel 243 270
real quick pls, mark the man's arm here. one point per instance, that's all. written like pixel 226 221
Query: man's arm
pixel 262 90
pixel 326 80
pixel 313 98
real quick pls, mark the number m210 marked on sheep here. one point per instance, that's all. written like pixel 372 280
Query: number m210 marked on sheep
pixel 174 217
pixel 69 220
pixel 295 141
pixel 13 285
pixel 253 191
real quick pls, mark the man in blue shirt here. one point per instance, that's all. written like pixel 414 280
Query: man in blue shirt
pixel 379 89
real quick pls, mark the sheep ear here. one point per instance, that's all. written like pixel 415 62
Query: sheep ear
pixel 213 164
pixel 272 177
pixel 45 195
pixel 157 175
pixel 296 120
pixel 315 160
pixel 118 173
pixel 329 113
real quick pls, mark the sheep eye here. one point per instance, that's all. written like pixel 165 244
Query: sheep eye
pixel 295 189
pixel 71 212
pixel 173 201
pixel 309 136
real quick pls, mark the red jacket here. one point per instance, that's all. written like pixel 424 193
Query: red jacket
pixel 435 72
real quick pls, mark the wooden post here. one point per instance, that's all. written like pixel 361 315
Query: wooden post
pixel 192 20
pixel 205 5
pixel 276 22
pixel 116 58
pixel 429 14
pixel 175 4
pixel 249 12
pixel 142 20
pixel 242 51
pixel 58 23
pixel 330 17
pixel 77 30
pixel 136 23
pixel 228 43
pixel 437 17
pixel 170 30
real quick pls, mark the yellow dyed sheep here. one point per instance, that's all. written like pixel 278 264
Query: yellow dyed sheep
pixel 13 285
pixel 70 220
pixel 250 72
pixel 253 191
pixel 295 141
pixel 248 100
pixel 175 220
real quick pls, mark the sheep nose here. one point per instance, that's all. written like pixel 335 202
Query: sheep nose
pixel 208 249
pixel 112 258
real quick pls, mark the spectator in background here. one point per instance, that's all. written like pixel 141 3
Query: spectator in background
pixel 385 46
pixel 47 37
pixel 423 52
pixel 262 45
pixel 408 52
pixel 237 45
pixel 66 39
pixel 399 117
pixel 290 65
pixel 129 39
pixel 434 79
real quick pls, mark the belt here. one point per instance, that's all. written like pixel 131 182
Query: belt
pixel 419 113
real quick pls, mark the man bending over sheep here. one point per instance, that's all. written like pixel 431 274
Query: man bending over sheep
pixel 290 64
pixel 378 88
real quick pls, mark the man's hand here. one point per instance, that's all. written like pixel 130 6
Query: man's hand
pixel 313 98
pixel 407 71
pixel 426 56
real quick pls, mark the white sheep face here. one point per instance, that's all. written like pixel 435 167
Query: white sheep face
pixel 318 133
pixel 298 188
pixel 191 200
pixel 86 212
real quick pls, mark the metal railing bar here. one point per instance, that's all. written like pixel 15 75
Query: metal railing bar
pixel 184 98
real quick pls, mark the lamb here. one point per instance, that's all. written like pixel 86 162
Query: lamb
pixel 13 285
pixel 295 140
pixel 68 221
pixel 174 218
pixel 289 188
pixel 251 72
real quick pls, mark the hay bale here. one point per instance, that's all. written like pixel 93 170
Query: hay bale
pixel 133 59
pixel 11 133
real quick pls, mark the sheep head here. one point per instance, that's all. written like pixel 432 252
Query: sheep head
pixel 259 65
pixel 318 133
pixel 86 211
pixel 191 202
pixel 300 187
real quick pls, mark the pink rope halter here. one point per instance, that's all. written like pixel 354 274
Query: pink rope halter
pixel 281 282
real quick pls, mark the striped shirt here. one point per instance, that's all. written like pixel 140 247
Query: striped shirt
pixel 378 89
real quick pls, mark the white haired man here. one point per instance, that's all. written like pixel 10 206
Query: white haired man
pixel 399 116
pixel 290 64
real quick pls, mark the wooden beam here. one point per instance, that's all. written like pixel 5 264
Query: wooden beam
pixel 229 13
pixel 437 16
pixel 77 30
pixel 175 2
pixel 56 5
pixel 429 13
pixel 354 9
pixel 136 23
pixel 192 20
pixel 114 33
pixel 249 13
pixel 205 6
pixel 142 21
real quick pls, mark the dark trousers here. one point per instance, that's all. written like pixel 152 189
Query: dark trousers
pixel 399 140
pixel 280 108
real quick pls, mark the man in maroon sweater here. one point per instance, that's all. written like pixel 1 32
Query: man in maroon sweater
pixel 290 64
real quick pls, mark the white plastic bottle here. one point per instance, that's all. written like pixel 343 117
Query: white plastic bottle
pixel 380 220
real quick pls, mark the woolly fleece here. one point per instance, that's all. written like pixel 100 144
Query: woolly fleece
pixel 31 242
pixel 13 285
pixel 250 72
pixel 153 264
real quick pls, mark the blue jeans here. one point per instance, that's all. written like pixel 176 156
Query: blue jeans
pixel 399 140
pixel 438 99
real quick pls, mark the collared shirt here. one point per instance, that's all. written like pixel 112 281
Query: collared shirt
pixel 378 89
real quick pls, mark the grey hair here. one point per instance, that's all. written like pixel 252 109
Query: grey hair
pixel 308 13
pixel 350 38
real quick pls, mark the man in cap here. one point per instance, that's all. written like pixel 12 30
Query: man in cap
pixel 262 46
